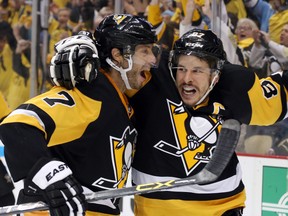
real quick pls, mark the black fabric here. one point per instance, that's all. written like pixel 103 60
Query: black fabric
pixel 6 184
pixel 18 159
pixel 7 199
pixel 234 212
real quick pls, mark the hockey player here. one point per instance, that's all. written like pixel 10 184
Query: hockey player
pixel 84 136
pixel 178 125
pixel 189 127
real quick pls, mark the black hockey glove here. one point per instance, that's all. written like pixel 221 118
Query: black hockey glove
pixel 75 60
pixel 53 181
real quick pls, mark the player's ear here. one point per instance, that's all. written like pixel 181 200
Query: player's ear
pixel 215 77
pixel 116 55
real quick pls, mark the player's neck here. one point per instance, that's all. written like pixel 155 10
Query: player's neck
pixel 117 79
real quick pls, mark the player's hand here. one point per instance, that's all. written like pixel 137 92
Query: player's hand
pixel 75 60
pixel 53 180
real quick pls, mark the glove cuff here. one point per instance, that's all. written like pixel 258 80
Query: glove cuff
pixel 47 172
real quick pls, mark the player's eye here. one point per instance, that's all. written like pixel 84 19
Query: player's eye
pixel 180 69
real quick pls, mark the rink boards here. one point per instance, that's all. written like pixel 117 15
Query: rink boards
pixel 265 178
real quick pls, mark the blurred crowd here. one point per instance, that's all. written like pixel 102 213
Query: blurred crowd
pixel 254 33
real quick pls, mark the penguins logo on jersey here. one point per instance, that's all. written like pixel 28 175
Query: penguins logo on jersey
pixel 195 137
pixel 122 152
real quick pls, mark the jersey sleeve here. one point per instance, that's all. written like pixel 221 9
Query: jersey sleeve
pixel 24 145
pixel 52 119
pixel 252 100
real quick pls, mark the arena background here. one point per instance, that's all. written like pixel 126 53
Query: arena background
pixel 266 178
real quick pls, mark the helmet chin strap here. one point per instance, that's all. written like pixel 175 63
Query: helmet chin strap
pixel 122 71
pixel 210 88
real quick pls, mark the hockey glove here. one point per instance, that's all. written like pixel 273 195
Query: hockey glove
pixel 75 60
pixel 53 181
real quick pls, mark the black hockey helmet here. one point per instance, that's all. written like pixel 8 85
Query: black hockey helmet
pixel 200 43
pixel 123 31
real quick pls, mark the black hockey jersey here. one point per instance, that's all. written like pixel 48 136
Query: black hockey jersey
pixel 165 127
pixel 90 128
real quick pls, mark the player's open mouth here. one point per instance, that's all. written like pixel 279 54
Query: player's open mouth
pixel 188 90
pixel 142 73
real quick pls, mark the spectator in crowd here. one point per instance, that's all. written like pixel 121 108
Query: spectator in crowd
pixel 187 23
pixel 82 15
pixel 22 21
pixel 166 31
pixel 278 19
pixel 269 55
pixel 5 110
pixel 129 8
pixel 244 36
pixel 14 81
pixel 6 58
pixel 108 9
pixel 61 3
pixel 234 54
pixel 139 6
pixel 6 183
pixel 167 15
pixel 19 88
pixel 262 10
pixel 5 11
pixel 237 8
pixel 58 29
